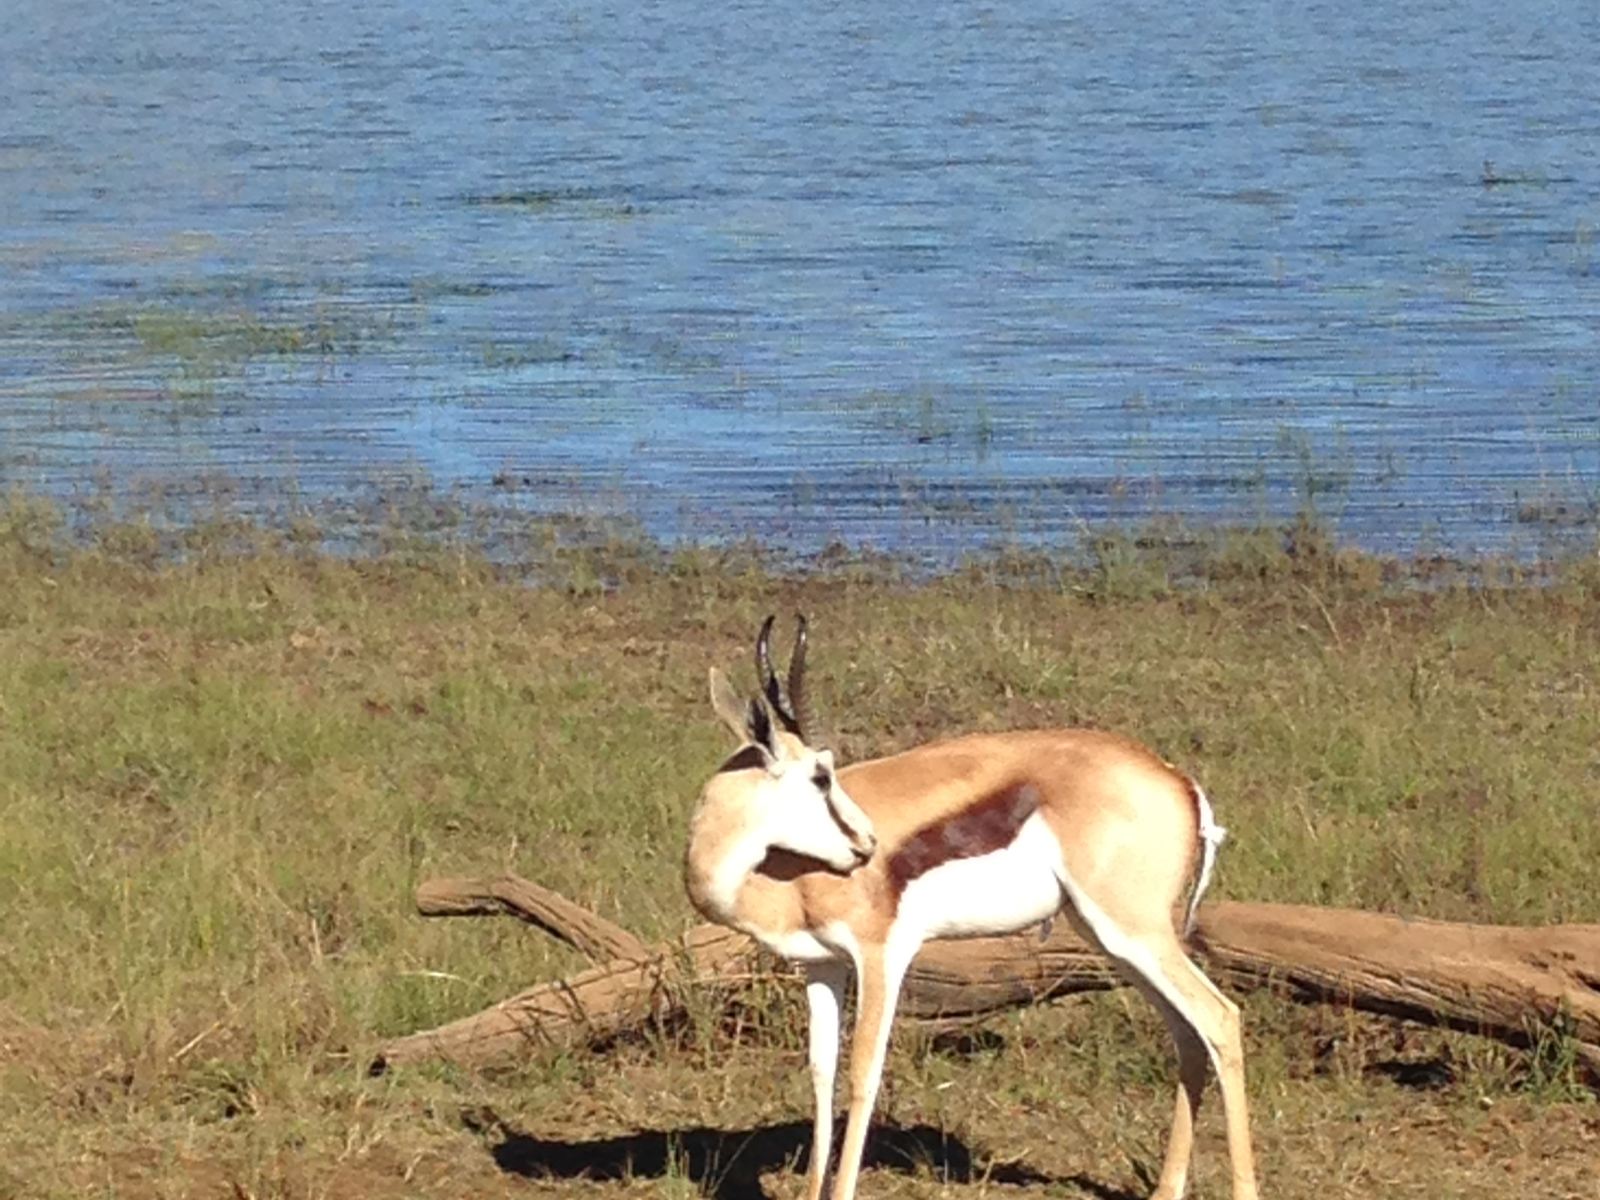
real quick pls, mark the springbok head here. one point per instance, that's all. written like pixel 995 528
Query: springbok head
pixel 784 787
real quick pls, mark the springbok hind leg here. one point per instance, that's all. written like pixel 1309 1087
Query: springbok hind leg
pixel 1216 1019
pixel 1152 958
pixel 1191 1085
pixel 1204 1024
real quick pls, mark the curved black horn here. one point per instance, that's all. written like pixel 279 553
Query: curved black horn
pixel 767 677
pixel 804 725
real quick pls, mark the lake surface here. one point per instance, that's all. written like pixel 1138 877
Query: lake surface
pixel 929 281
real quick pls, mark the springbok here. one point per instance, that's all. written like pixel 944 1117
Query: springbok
pixel 985 834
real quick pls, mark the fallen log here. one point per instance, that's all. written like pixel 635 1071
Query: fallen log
pixel 582 1009
pixel 1509 982
pixel 1505 982
pixel 589 933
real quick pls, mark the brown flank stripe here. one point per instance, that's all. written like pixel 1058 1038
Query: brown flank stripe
pixel 988 825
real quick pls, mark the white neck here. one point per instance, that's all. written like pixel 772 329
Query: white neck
pixel 723 853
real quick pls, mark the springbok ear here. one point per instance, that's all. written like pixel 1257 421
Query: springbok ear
pixel 758 728
pixel 728 706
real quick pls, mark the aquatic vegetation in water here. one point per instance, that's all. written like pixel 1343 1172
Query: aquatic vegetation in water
pixel 216 335
pixel 584 202
pixel 1582 247
pixel 1552 510
pixel 182 344
pixel 1314 474
pixel 239 334
pixel 531 199
pixel 924 416
pixel 534 352
pixel 468 289
pixel 1492 176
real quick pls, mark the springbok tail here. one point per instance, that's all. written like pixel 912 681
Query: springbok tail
pixel 1211 836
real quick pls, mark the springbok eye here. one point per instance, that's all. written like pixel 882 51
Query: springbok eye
pixel 822 779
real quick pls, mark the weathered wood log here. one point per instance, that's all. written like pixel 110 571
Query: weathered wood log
pixel 1507 982
pixel 585 1008
pixel 590 934
pixel 1501 981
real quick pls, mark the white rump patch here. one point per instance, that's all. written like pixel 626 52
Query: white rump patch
pixel 1212 835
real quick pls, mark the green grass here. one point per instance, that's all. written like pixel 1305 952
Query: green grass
pixel 221 778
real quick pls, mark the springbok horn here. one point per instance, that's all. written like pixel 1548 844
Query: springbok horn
pixel 797 682
pixel 768 679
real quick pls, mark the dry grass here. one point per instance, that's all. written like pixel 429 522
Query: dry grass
pixel 220 780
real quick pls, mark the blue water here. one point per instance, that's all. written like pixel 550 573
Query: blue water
pixel 928 278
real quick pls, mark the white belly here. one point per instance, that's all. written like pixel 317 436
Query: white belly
pixel 997 893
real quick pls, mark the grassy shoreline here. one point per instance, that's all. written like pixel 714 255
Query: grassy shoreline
pixel 221 774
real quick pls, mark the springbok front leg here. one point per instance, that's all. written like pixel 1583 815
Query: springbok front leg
pixel 879 973
pixel 825 984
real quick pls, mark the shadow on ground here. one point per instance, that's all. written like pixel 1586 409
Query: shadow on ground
pixel 727 1164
